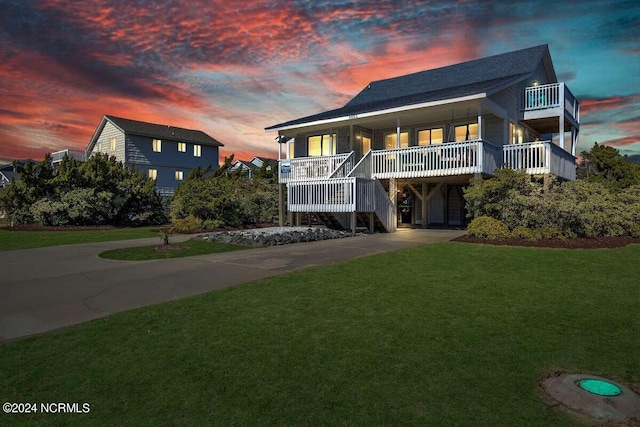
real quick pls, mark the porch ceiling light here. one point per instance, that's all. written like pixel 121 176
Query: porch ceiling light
pixel 535 83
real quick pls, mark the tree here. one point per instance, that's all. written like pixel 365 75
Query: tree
pixel 604 164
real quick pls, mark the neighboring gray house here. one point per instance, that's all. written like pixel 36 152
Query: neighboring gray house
pixel 164 153
pixel 250 167
pixel 402 150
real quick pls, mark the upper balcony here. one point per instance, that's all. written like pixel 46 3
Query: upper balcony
pixel 544 104
pixel 57 156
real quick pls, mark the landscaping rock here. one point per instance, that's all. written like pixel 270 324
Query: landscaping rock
pixel 273 236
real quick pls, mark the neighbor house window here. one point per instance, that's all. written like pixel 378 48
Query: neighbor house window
pixel 153 173
pixel 157 145
pixel 179 175
pixel 182 147
pixel 466 132
pixel 430 136
pixel 321 145
pixel 112 144
pixel 391 140
pixel 197 150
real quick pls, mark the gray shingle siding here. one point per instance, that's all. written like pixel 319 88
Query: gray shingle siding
pixel 103 143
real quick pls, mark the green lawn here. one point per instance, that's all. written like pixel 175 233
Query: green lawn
pixel 184 249
pixel 11 240
pixel 447 334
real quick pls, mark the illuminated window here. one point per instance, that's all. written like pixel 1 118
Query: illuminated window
pixel 157 145
pixel 197 150
pixel 391 140
pixel 179 175
pixel 153 173
pixel 515 134
pixel 430 136
pixel 467 132
pixel 321 145
pixel 112 144
pixel 366 144
pixel 291 150
pixel 182 147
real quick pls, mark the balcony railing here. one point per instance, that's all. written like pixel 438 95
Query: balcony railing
pixel 56 157
pixel 455 158
pixel 540 157
pixel 551 96
pixel 310 168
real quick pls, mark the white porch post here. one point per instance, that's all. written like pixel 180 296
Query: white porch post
pixel 480 122
pixel 330 142
pixel 279 147
pixel 398 133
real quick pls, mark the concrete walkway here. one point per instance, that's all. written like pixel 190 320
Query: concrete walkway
pixel 44 289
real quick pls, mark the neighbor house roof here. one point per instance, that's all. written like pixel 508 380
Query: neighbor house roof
pixel 154 130
pixel 481 76
pixel 159 131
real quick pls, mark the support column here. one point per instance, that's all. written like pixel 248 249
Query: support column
pixel 393 197
pixel 290 218
pixel 372 225
pixel 561 132
pixel 330 142
pixel 445 188
pixel 354 221
pixel 398 133
pixel 425 210
pixel 351 137
pixel 480 132
pixel 281 203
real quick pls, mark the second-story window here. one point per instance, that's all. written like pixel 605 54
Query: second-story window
pixel 112 144
pixel 466 132
pixel 322 145
pixel 197 150
pixel 430 136
pixel 391 140
pixel 157 145
pixel 182 147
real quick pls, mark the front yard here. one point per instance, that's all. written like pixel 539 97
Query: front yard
pixel 447 334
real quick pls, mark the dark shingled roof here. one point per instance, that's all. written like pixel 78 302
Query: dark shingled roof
pixel 468 78
pixel 163 131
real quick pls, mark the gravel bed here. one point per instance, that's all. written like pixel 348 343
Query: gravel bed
pixel 273 236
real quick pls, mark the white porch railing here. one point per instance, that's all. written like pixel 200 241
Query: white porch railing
pixel 551 96
pixel 539 158
pixel 341 195
pixel 454 158
pixel 343 169
pixel 309 168
pixel 329 195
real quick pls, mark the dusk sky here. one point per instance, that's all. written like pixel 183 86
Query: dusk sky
pixel 232 68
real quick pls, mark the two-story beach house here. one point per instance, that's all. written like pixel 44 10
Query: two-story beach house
pixel 164 153
pixel 401 151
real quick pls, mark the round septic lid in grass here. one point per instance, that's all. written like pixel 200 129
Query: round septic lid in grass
pixel 599 387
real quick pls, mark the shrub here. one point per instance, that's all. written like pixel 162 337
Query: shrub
pixel 521 232
pixel 190 224
pixel 488 228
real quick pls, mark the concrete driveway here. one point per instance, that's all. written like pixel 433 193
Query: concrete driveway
pixel 48 288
